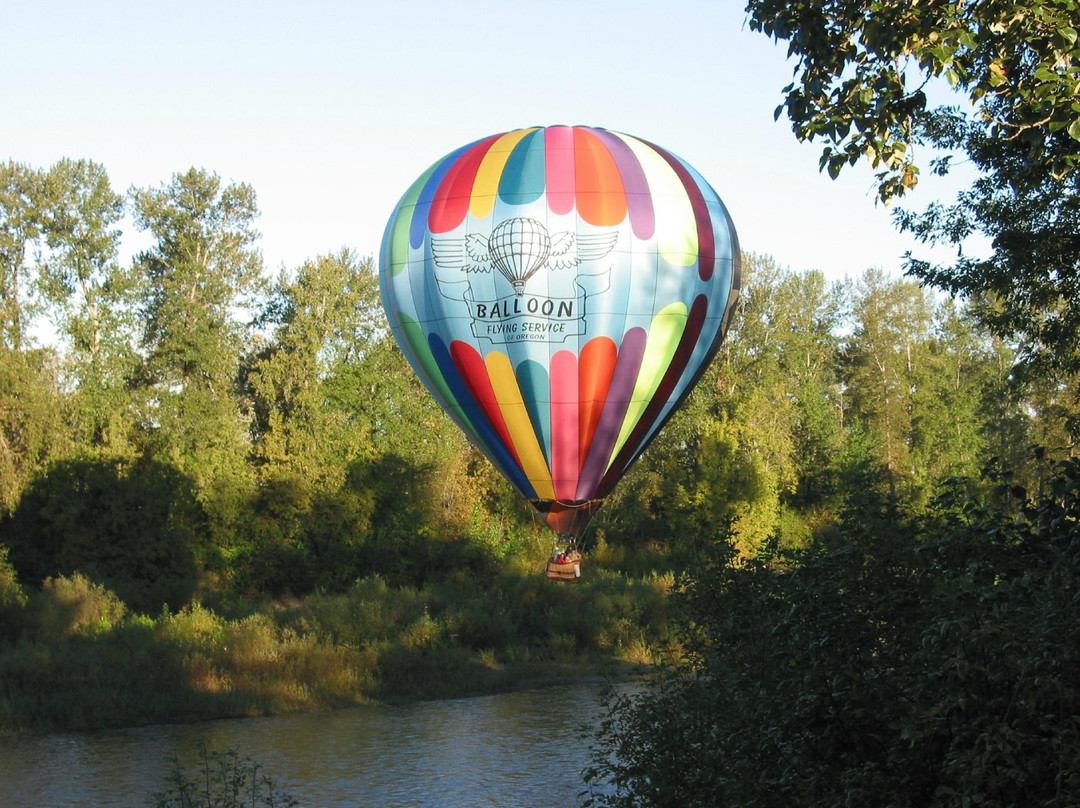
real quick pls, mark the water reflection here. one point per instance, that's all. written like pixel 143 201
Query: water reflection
pixel 514 749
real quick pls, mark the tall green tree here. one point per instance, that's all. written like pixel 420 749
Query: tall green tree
pixel 202 273
pixel 326 317
pixel 30 428
pixel 951 433
pixel 884 360
pixel 810 359
pixel 204 265
pixel 92 298
pixel 21 208
pixel 304 444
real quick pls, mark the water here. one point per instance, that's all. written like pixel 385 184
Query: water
pixel 515 749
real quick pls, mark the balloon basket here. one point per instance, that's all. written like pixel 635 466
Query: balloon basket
pixel 569 572
pixel 566 569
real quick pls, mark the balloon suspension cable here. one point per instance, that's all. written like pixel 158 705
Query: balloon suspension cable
pixel 566 542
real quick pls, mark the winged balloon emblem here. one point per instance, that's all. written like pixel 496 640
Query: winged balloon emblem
pixel 518 248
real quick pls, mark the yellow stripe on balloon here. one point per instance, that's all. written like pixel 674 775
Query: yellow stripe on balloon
pixel 665 331
pixel 676 228
pixel 516 416
pixel 486 185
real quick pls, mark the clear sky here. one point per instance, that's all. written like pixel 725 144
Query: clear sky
pixel 330 109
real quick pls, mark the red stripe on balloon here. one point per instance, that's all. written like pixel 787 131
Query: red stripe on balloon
pixel 451 201
pixel 470 364
pixel 595 368
pixel 565 462
pixel 601 196
pixel 706 237
pixel 559 168
pixel 672 376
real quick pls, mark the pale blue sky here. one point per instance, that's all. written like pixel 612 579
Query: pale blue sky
pixel 331 109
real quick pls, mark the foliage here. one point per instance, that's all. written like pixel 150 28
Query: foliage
pixel 911 662
pixel 862 68
pixel 69 606
pixel 74 658
pixel 1026 284
pixel 222 780
pixel 198 429
pixel 13 599
pixel 201 270
pixel 132 526
pixel 865 73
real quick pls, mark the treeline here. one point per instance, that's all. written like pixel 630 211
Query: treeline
pixel 186 426
pixel 824 391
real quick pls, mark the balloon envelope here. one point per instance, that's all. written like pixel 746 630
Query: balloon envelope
pixel 559 290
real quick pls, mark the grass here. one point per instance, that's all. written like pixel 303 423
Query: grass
pixel 73 657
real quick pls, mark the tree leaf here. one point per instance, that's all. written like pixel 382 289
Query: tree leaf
pixel 1074 129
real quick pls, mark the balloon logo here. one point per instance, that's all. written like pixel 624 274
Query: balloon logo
pixel 560 290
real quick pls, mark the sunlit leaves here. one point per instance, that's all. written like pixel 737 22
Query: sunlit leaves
pixel 862 65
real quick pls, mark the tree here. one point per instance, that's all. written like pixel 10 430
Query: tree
pixel 92 296
pixel 780 369
pixel 32 431
pixel 325 318
pixel 913 663
pixel 304 441
pixel 81 213
pixel 883 360
pixel 951 430
pixel 862 69
pixel 202 271
pixel 862 83
pixel 31 427
pixel 20 224
pixel 132 526
pixel 1028 284
pixel 202 267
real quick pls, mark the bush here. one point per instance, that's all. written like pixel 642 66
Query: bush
pixel 13 600
pixel 135 527
pixel 70 605
pixel 223 780
pixel 911 663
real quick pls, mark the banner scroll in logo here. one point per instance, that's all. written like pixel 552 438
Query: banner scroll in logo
pixel 522 318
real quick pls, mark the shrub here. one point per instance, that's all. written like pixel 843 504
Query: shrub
pixel 136 527
pixel 13 600
pixel 910 663
pixel 70 605
pixel 223 780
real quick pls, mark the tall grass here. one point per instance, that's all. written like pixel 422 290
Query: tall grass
pixel 73 657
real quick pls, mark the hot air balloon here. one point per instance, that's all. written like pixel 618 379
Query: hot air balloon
pixel 560 290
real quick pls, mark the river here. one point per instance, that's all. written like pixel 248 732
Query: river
pixel 525 748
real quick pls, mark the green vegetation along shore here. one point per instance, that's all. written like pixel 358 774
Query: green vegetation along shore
pixel 80 660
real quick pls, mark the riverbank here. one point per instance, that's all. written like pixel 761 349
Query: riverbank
pixel 78 660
